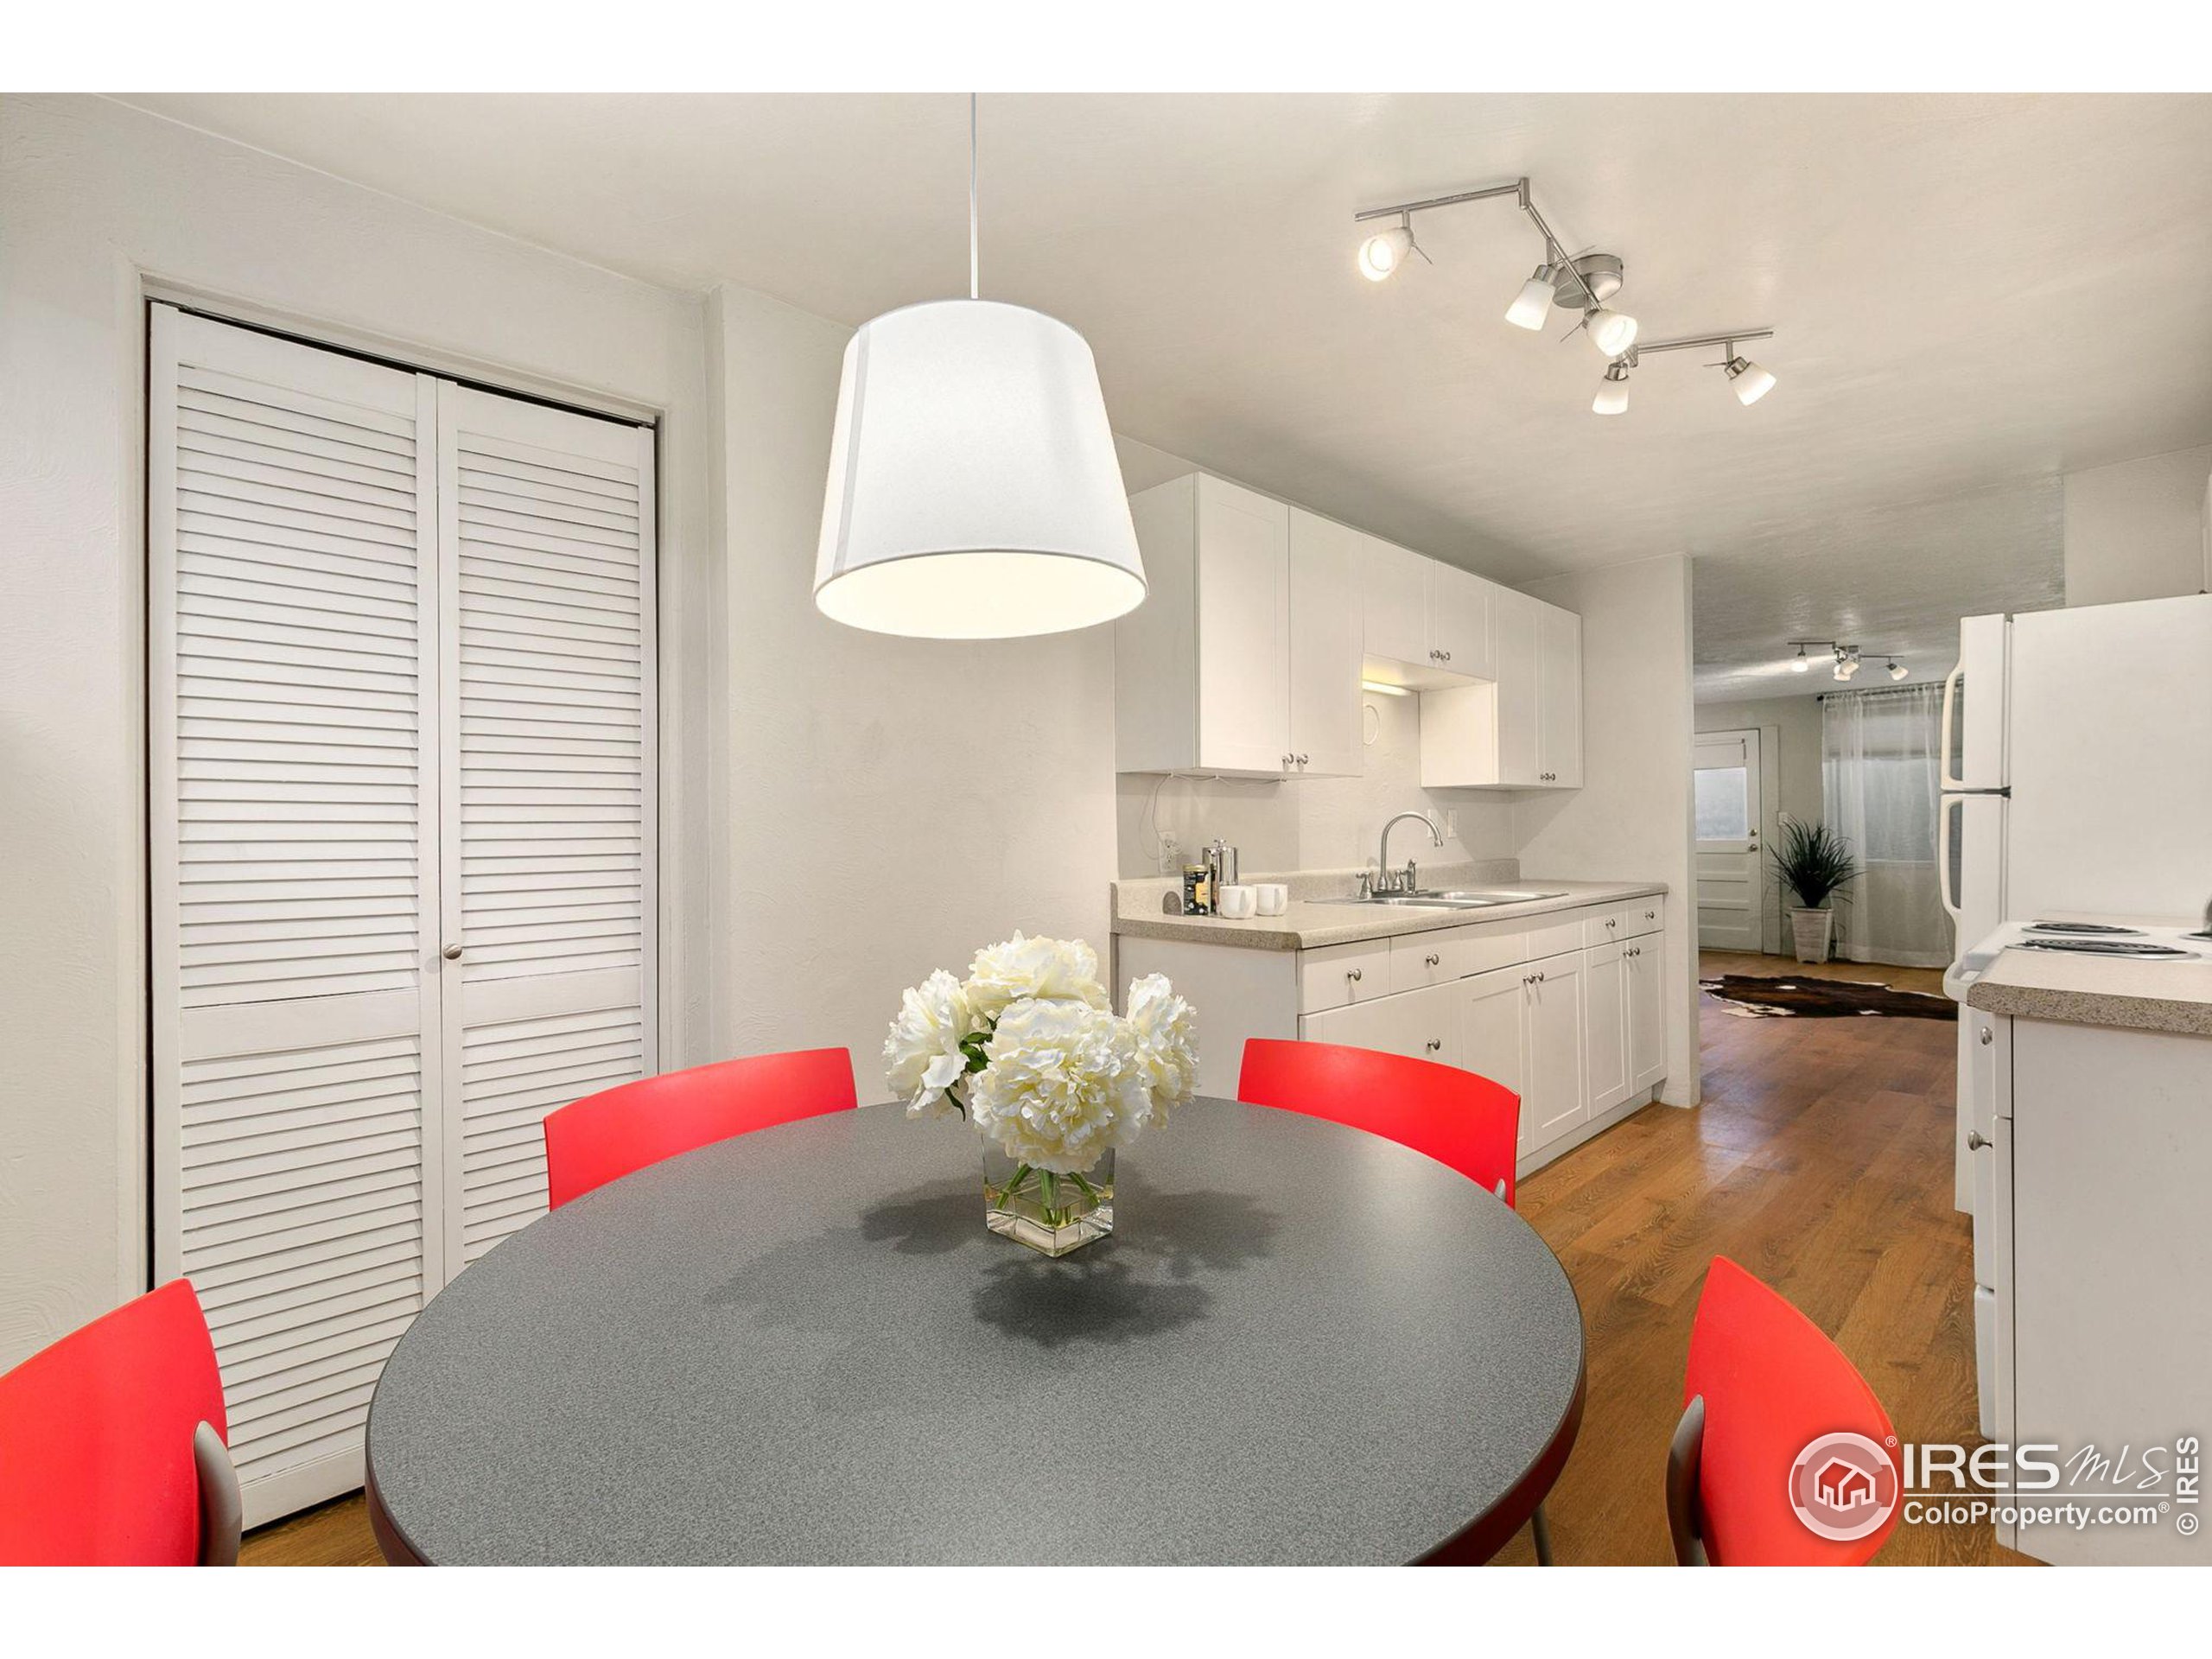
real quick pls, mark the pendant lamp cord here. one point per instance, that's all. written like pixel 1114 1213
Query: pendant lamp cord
pixel 975 289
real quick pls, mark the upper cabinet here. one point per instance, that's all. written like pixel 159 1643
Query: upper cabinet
pixel 1244 657
pixel 1427 623
pixel 1523 728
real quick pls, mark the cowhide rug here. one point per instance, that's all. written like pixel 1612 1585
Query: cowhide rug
pixel 1759 999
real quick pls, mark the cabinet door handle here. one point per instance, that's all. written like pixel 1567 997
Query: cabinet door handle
pixel 1448 656
pixel 1436 1043
pixel 1352 975
pixel 1433 962
pixel 1975 1141
pixel 451 953
pixel 1540 979
pixel 1303 758
pixel 1987 1038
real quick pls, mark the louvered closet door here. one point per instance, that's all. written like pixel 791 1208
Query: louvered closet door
pixel 546 543
pixel 294 858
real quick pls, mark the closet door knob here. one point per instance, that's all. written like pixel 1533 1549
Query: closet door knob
pixel 451 953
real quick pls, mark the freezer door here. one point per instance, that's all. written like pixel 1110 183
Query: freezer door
pixel 2109 750
pixel 1974 706
pixel 1970 866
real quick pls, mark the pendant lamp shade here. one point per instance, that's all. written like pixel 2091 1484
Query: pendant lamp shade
pixel 973 491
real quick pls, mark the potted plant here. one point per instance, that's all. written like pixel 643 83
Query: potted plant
pixel 1813 862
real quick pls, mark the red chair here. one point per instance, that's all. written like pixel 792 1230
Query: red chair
pixel 605 1136
pixel 112 1445
pixel 1455 1116
pixel 1762 1383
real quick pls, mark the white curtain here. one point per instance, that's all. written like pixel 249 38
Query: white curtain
pixel 1880 775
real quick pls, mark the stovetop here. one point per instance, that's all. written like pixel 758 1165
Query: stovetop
pixel 2139 950
pixel 2086 929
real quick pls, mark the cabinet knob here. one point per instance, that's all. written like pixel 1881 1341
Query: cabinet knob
pixel 1975 1141
pixel 1987 1038
pixel 1612 921
pixel 1436 1043
pixel 1651 915
pixel 1540 979
pixel 1351 973
pixel 1433 962
pixel 451 953
pixel 1448 656
pixel 1303 758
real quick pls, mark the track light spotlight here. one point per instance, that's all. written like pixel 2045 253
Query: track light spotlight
pixel 1382 254
pixel 1533 305
pixel 1898 670
pixel 1611 332
pixel 1801 664
pixel 1612 392
pixel 1752 382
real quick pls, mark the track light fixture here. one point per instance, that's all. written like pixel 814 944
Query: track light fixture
pixel 1612 391
pixel 1583 282
pixel 1848 659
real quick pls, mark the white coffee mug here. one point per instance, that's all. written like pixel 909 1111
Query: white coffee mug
pixel 1234 902
pixel 1272 898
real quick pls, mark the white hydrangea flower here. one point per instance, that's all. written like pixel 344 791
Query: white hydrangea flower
pixel 923 1051
pixel 1065 1083
pixel 1043 970
pixel 1167 1043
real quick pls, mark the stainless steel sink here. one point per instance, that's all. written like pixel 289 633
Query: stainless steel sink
pixel 1465 899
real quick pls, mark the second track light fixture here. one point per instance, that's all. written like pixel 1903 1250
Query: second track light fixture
pixel 1584 283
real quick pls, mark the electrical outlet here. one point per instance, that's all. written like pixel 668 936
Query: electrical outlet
pixel 1451 820
pixel 1170 854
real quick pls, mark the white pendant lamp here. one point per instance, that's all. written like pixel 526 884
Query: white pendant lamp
pixel 974 492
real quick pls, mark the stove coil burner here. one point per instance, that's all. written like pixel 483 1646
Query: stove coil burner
pixel 2139 950
pixel 2087 929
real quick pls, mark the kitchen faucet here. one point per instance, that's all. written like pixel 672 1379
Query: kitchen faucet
pixel 1407 880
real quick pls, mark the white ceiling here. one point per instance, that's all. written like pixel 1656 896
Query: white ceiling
pixel 1973 295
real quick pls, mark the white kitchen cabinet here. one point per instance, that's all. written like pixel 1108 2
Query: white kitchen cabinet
pixel 1244 658
pixel 1514 701
pixel 1606 1027
pixel 1327 639
pixel 1422 1024
pixel 1559 698
pixel 1396 583
pixel 1554 1102
pixel 1644 958
pixel 1493 1030
pixel 1458 619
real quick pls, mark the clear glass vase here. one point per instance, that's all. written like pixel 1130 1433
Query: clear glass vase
pixel 1050 1212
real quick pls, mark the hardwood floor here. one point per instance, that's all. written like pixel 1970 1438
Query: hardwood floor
pixel 1820 1160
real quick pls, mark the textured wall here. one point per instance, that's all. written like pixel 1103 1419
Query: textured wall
pixel 2136 529
pixel 93 196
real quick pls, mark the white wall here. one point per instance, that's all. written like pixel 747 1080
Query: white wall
pixel 1306 823
pixel 1790 767
pixel 2136 529
pixel 93 197
pixel 892 803
pixel 1631 819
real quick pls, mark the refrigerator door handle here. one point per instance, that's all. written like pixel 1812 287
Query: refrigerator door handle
pixel 1947 766
pixel 1944 806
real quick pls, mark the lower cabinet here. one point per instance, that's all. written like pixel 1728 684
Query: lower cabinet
pixel 1422 1023
pixel 1644 962
pixel 1606 1026
pixel 1553 1097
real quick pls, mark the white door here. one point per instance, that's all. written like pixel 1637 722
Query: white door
pixel 1606 1027
pixel 292 689
pixel 1559 696
pixel 1730 886
pixel 1513 629
pixel 1554 1102
pixel 1493 1033
pixel 1459 620
pixel 1647 1011
pixel 1324 647
pixel 1395 584
pixel 546 585
pixel 1244 629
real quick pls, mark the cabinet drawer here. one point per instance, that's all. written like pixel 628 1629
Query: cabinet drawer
pixel 1644 916
pixel 1340 975
pixel 1425 959
pixel 1605 927
pixel 1559 937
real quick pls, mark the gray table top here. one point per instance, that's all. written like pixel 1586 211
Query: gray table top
pixel 1303 1344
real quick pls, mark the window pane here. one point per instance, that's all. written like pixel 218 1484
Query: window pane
pixel 1724 807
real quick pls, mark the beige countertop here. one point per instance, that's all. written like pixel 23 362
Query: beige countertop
pixel 2174 996
pixel 1309 924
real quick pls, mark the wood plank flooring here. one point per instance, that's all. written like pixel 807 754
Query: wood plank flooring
pixel 1820 1160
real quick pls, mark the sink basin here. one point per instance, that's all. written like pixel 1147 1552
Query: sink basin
pixel 1468 899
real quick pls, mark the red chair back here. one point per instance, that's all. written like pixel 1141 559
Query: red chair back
pixel 1455 1116
pixel 96 1459
pixel 605 1136
pixel 1771 1383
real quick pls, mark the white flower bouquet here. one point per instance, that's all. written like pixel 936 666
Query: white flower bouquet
pixel 1026 1049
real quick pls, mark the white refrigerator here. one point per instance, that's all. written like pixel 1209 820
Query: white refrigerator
pixel 2076 775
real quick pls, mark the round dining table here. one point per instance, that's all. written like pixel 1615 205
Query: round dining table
pixel 1301 1344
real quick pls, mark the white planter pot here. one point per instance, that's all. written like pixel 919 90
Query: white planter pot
pixel 1812 929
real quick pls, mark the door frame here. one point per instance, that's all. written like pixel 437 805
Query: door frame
pixel 1755 748
pixel 137 1146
